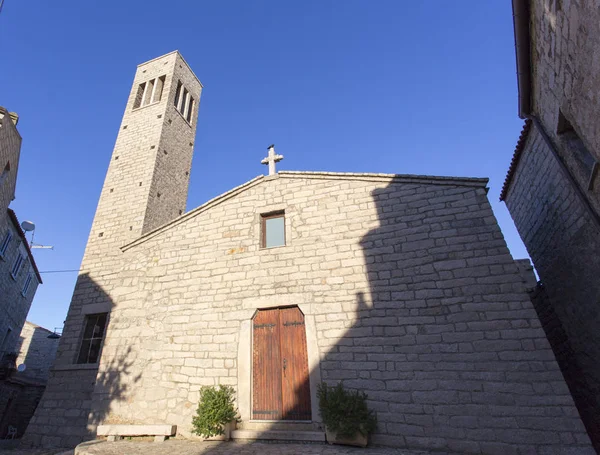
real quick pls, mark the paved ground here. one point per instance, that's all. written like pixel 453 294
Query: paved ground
pixel 173 447
pixel 178 447
pixel 35 452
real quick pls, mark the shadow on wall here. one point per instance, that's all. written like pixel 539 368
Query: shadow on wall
pixel 27 386
pixel 64 416
pixel 448 346
pixel 445 343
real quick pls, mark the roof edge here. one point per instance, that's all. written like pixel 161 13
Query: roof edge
pixel 192 213
pixel 521 17
pixel 395 178
pixel 13 217
pixel 512 169
pixel 183 59
pixel 391 178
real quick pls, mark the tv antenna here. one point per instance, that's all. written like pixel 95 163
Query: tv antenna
pixel 29 226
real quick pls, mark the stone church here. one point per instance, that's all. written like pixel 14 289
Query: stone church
pixel 402 286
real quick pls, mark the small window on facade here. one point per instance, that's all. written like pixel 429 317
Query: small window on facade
pixel 5 242
pixel 149 92
pixel 158 89
pixel 184 100
pixel 93 334
pixel 190 110
pixel 273 230
pixel 139 96
pixel 178 94
pixel 17 265
pixel 26 285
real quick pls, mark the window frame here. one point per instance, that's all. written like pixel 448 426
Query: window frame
pixel 263 228
pixel 5 243
pixel 27 284
pixel 149 92
pixel 16 268
pixel 83 339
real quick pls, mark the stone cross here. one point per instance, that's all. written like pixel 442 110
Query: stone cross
pixel 271 159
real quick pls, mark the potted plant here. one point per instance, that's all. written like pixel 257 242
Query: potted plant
pixel 345 415
pixel 216 415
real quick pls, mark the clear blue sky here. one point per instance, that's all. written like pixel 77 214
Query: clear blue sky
pixel 423 87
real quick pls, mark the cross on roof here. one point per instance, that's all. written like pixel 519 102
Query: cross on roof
pixel 271 159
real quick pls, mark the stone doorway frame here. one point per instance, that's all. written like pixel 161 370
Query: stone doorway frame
pixel 244 358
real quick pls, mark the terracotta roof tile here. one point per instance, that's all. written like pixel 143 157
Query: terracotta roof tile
pixel 516 157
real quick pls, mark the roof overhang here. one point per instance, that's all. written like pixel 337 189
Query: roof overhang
pixel 521 19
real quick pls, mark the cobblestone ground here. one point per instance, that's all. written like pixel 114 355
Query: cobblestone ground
pixel 175 447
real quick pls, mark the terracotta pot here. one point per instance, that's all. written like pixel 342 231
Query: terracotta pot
pixel 226 436
pixel 357 440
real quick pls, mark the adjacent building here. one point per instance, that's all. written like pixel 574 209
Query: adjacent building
pixel 23 390
pixel 19 276
pixel 553 189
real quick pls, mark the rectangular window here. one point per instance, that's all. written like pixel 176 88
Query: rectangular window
pixel 184 99
pixel 273 230
pixel 5 243
pixel 139 96
pixel 178 94
pixel 188 117
pixel 17 266
pixel 149 92
pixel 158 89
pixel 26 285
pixel 93 334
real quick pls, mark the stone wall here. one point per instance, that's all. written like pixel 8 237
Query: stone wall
pixel 14 306
pixel 36 351
pixel 409 293
pixel 565 54
pixel 556 208
pixel 563 241
pixel 10 148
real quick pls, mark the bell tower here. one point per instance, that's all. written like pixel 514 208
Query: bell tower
pixel 147 180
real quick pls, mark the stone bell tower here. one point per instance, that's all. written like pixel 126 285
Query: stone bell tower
pixel 147 180
pixel 145 187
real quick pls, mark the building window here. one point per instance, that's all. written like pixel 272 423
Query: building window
pixel 149 92
pixel 178 94
pixel 17 266
pixel 184 102
pixel 273 229
pixel 188 117
pixel 5 243
pixel 93 334
pixel 26 285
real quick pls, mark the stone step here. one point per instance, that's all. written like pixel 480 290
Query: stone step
pixel 286 426
pixel 279 435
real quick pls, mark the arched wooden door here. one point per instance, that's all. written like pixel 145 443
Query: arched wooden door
pixel 280 384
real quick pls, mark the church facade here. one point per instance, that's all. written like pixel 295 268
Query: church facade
pixel 401 286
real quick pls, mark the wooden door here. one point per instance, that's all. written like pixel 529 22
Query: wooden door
pixel 281 388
